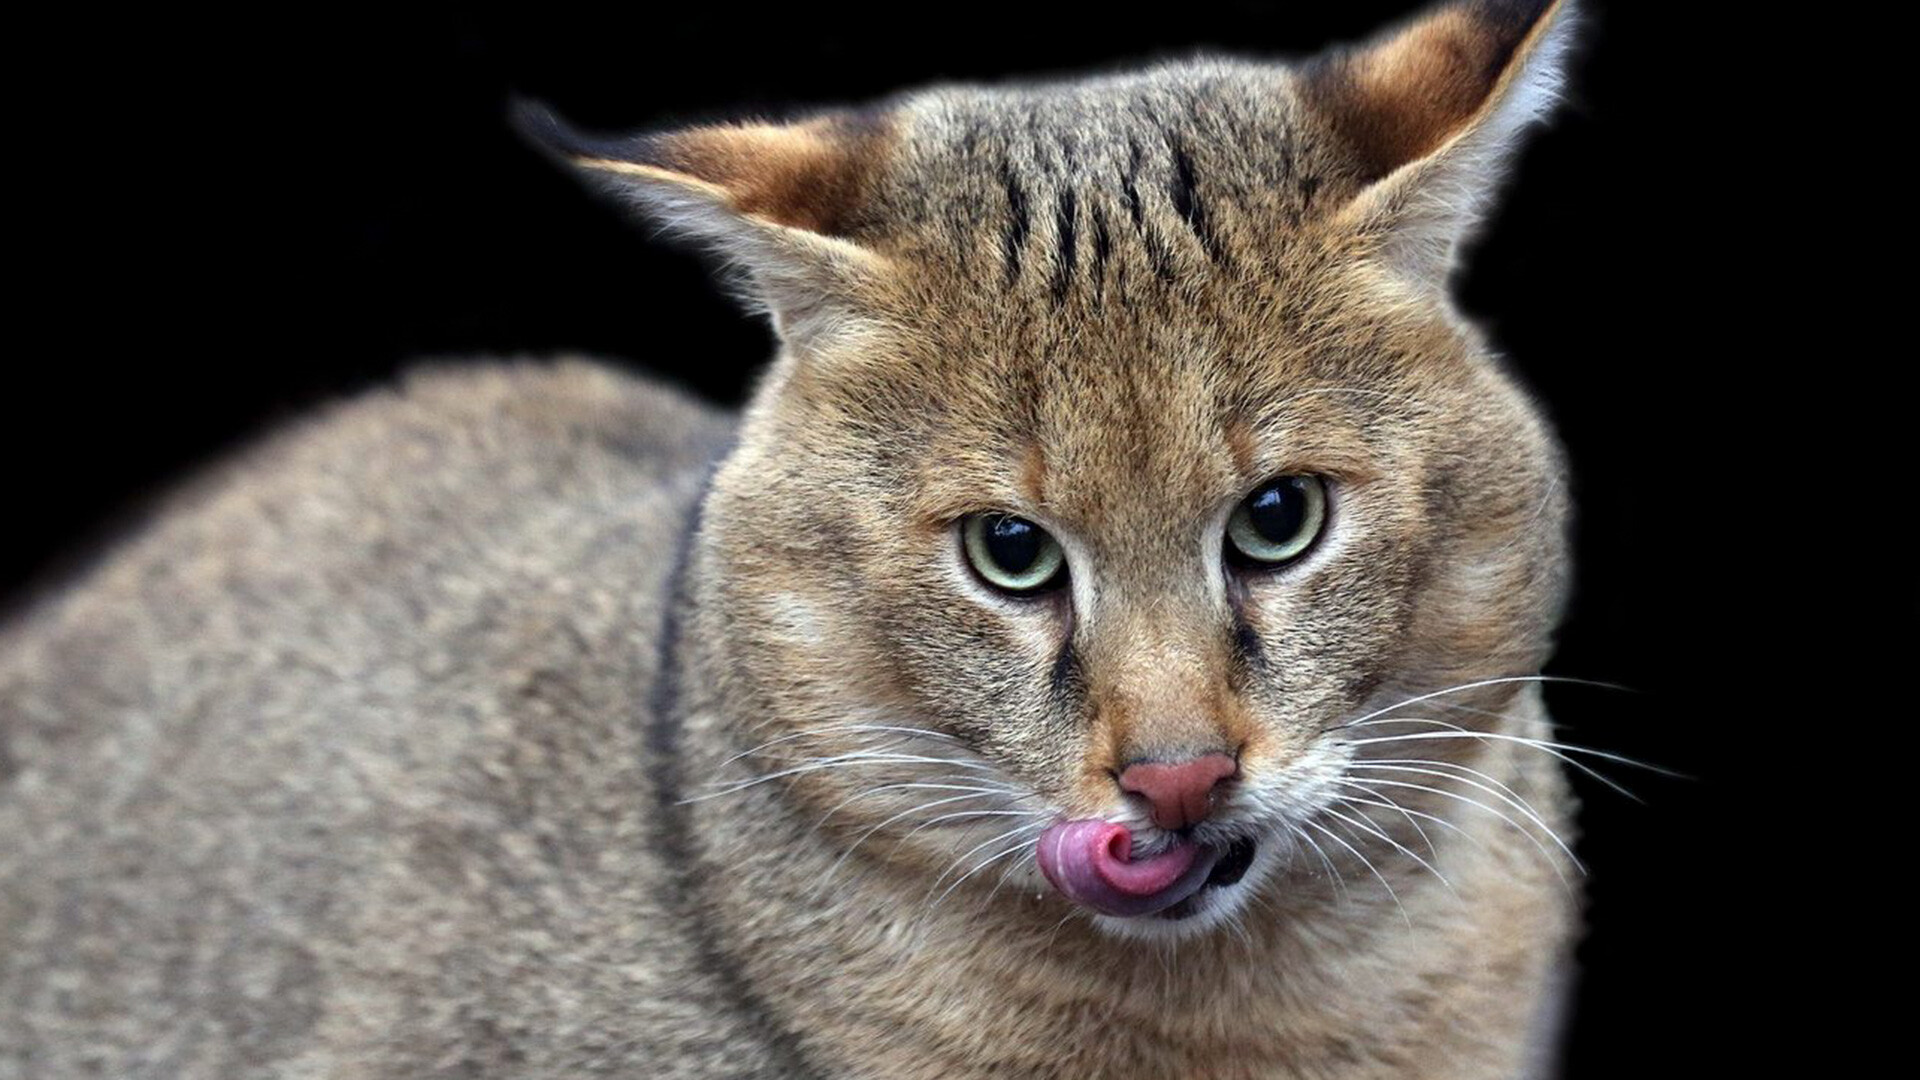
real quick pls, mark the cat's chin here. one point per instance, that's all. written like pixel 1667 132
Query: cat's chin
pixel 1236 878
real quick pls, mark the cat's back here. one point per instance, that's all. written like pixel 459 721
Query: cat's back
pixel 350 736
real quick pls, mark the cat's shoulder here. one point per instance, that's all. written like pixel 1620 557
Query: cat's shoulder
pixel 337 712
pixel 458 441
pixel 453 511
pixel 555 414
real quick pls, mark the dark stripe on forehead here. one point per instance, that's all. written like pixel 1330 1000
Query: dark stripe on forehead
pixel 1018 224
pixel 1130 185
pixel 1186 201
pixel 1102 249
pixel 1066 222
pixel 1153 167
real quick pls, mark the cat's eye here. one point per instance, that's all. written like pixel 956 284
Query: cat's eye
pixel 1013 554
pixel 1278 522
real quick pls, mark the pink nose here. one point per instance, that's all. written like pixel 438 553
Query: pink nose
pixel 1180 792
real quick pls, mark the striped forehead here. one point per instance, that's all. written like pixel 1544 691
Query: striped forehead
pixel 1092 193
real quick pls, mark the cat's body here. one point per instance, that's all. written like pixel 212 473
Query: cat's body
pixel 330 828
pixel 433 737
pixel 396 817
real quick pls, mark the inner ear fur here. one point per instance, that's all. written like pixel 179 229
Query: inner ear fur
pixel 813 176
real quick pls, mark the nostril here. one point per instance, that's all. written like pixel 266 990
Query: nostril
pixel 1180 793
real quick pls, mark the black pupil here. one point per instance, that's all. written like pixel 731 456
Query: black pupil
pixel 1278 510
pixel 1014 543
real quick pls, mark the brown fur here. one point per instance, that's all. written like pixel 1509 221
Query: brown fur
pixel 339 769
pixel 1401 102
pixel 807 176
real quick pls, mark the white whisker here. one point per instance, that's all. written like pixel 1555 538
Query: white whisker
pixel 1496 789
pixel 1333 875
pixel 1329 834
pixel 1464 687
pixel 1021 844
pixel 826 729
pixel 936 784
pixel 1397 808
pixel 870 830
pixel 1512 824
pixel 1563 751
pixel 1388 803
pixel 837 761
pixel 1375 830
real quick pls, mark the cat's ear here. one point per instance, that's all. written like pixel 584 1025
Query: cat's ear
pixel 1431 114
pixel 779 202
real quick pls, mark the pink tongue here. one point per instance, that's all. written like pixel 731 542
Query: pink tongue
pixel 1088 862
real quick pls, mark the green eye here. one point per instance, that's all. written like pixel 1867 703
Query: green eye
pixel 1013 554
pixel 1278 522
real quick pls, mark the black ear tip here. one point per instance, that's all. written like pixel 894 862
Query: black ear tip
pixel 542 127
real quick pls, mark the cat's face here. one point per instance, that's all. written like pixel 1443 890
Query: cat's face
pixel 1121 422
pixel 1131 441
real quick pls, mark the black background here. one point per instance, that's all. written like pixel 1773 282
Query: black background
pixel 253 216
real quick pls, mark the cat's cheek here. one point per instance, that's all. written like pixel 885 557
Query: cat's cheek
pixel 1321 638
pixel 975 665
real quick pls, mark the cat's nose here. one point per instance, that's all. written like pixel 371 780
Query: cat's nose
pixel 1180 792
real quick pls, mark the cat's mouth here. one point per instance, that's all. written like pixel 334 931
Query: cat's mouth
pixel 1235 860
pixel 1091 862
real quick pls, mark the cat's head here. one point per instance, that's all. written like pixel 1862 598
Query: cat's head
pixel 1123 449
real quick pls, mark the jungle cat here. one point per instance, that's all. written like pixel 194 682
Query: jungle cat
pixel 1104 647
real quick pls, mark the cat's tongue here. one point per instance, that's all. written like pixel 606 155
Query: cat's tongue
pixel 1089 862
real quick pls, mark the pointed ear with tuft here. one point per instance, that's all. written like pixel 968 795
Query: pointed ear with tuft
pixel 1430 116
pixel 780 202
